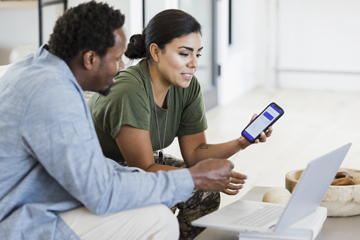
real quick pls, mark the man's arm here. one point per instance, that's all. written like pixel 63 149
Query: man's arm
pixel 57 131
pixel 212 174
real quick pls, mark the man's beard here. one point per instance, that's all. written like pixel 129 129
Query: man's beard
pixel 105 92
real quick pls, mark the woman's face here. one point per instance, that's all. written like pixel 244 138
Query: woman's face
pixel 180 59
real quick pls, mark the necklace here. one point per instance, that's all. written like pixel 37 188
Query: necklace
pixel 161 152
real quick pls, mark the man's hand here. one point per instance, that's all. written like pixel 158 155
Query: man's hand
pixel 215 175
pixel 234 186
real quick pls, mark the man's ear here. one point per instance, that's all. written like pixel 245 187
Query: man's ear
pixel 155 52
pixel 90 59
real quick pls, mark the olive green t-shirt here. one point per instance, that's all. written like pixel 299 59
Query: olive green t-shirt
pixel 130 102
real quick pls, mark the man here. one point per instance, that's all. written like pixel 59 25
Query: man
pixel 54 179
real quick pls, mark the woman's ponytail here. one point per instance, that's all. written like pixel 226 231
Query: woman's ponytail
pixel 136 48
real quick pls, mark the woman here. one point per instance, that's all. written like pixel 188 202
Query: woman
pixel 159 99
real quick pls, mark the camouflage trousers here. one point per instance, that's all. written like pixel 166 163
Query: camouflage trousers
pixel 199 204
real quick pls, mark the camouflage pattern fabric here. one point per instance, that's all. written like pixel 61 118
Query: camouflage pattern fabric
pixel 199 204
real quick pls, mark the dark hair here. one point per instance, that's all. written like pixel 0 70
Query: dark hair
pixel 88 26
pixel 161 30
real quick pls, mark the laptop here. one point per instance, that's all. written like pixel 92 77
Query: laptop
pixel 262 217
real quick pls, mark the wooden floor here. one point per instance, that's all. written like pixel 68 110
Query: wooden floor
pixel 314 123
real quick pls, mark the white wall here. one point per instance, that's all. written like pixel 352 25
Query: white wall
pixel 244 63
pixel 299 44
pixel 319 44
pixel 21 26
pixel 204 17
pixel 310 44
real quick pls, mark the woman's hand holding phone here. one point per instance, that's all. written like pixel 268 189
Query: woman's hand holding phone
pixel 244 143
pixel 259 127
pixel 263 135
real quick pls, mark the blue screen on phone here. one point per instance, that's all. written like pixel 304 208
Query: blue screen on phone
pixel 261 122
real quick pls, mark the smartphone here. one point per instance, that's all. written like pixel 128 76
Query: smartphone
pixel 262 122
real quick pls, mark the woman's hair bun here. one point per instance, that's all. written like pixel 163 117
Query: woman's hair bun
pixel 136 47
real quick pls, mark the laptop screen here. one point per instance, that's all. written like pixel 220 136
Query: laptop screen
pixel 312 187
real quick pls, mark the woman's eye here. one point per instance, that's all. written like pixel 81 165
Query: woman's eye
pixel 198 55
pixel 184 54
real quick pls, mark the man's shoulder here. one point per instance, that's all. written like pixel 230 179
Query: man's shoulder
pixel 28 75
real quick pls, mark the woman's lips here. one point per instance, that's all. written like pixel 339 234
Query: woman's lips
pixel 187 76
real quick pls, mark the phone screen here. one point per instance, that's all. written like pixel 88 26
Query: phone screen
pixel 262 122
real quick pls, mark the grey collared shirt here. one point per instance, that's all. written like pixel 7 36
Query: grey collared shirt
pixel 51 160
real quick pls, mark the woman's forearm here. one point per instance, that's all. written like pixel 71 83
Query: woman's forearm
pixel 221 150
pixel 157 167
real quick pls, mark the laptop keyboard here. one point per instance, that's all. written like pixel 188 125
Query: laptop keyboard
pixel 262 216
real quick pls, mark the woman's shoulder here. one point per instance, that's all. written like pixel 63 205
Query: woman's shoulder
pixel 136 74
pixel 130 85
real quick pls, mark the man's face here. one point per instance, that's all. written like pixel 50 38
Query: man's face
pixel 111 63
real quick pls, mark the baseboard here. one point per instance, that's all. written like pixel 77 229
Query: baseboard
pixel 319 80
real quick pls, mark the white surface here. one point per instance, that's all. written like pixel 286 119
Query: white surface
pixel 333 228
pixel 318 44
pixel 21 51
pixel 326 81
pixel 3 69
pixel 320 34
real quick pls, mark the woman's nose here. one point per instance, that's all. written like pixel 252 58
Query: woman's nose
pixel 193 63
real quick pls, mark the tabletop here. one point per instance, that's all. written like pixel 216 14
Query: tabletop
pixel 334 228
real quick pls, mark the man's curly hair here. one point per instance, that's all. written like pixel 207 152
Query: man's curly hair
pixel 88 26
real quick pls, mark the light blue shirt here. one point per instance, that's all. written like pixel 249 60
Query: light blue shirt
pixel 51 160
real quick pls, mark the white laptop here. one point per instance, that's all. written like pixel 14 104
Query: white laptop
pixel 261 217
